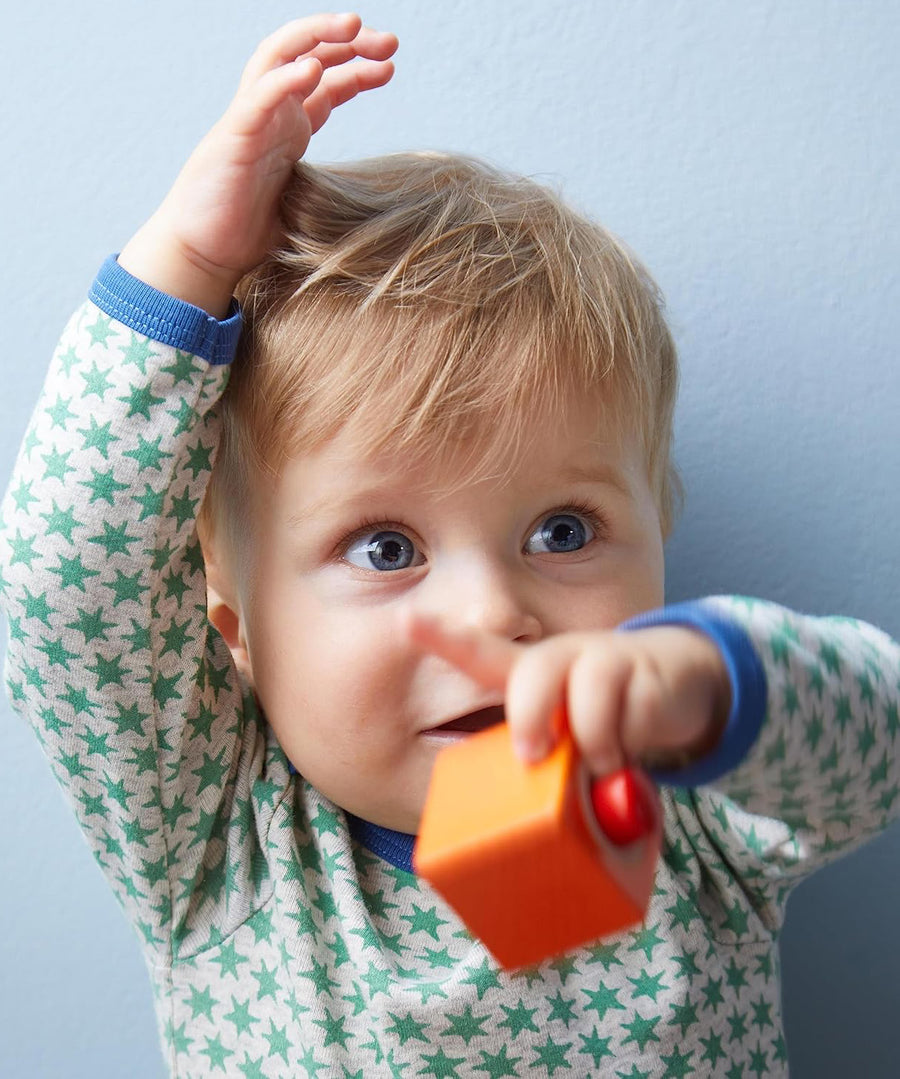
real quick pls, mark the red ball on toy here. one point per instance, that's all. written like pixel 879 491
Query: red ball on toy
pixel 625 806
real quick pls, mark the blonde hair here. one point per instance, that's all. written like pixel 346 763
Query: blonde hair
pixel 430 302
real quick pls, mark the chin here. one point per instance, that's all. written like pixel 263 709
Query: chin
pixel 398 820
pixel 402 814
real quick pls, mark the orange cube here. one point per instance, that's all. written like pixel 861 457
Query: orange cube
pixel 514 849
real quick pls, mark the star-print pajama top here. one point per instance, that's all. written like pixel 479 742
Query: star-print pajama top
pixel 284 939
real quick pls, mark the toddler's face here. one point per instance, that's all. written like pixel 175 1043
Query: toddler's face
pixel 568 539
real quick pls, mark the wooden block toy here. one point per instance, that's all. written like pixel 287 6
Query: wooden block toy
pixel 517 850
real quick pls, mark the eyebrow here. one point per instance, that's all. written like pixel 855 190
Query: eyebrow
pixel 607 475
pixel 356 502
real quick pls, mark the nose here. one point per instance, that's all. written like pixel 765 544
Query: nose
pixel 492 598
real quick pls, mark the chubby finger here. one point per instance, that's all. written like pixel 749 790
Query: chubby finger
pixel 368 44
pixel 536 691
pixel 296 39
pixel 343 84
pixel 599 686
pixel 332 39
pixel 251 111
pixel 485 657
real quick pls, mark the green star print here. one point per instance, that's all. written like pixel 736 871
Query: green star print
pixel 277 945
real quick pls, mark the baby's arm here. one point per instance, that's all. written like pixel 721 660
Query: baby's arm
pixel 221 215
pixel 145 723
pixel 805 767
pixel 824 773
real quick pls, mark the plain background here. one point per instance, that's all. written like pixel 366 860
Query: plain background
pixel 748 152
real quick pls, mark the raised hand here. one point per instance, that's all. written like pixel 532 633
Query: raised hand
pixel 220 217
pixel 651 696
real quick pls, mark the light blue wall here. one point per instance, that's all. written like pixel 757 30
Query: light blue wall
pixel 749 153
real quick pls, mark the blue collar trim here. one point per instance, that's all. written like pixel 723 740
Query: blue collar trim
pixel 393 847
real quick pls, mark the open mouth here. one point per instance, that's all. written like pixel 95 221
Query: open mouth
pixel 470 723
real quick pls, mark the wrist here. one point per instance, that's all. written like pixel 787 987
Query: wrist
pixel 156 257
pixel 163 318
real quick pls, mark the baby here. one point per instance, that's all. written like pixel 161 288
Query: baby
pixel 434 495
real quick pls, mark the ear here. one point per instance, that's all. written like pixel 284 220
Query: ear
pixel 224 611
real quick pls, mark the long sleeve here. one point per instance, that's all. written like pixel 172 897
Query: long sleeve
pixel 111 657
pixel 821 777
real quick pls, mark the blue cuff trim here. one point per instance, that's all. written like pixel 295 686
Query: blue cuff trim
pixel 393 847
pixel 749 692
pixel 163 318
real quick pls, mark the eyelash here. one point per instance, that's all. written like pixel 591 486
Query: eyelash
pixel 366 527
pixel 585 510
pixel 589 513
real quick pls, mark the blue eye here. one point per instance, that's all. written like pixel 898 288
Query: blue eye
pixel 559 533
pixel 384 551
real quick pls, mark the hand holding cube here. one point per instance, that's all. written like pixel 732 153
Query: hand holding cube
pixel 540 833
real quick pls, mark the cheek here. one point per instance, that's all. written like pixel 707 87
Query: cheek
pixel 647 572
pixel 643 590
pixel 331 666
pixel 633 581
pixel 653 584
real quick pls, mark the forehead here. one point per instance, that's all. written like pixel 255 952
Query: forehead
pixel 562 448
pixel 432 378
